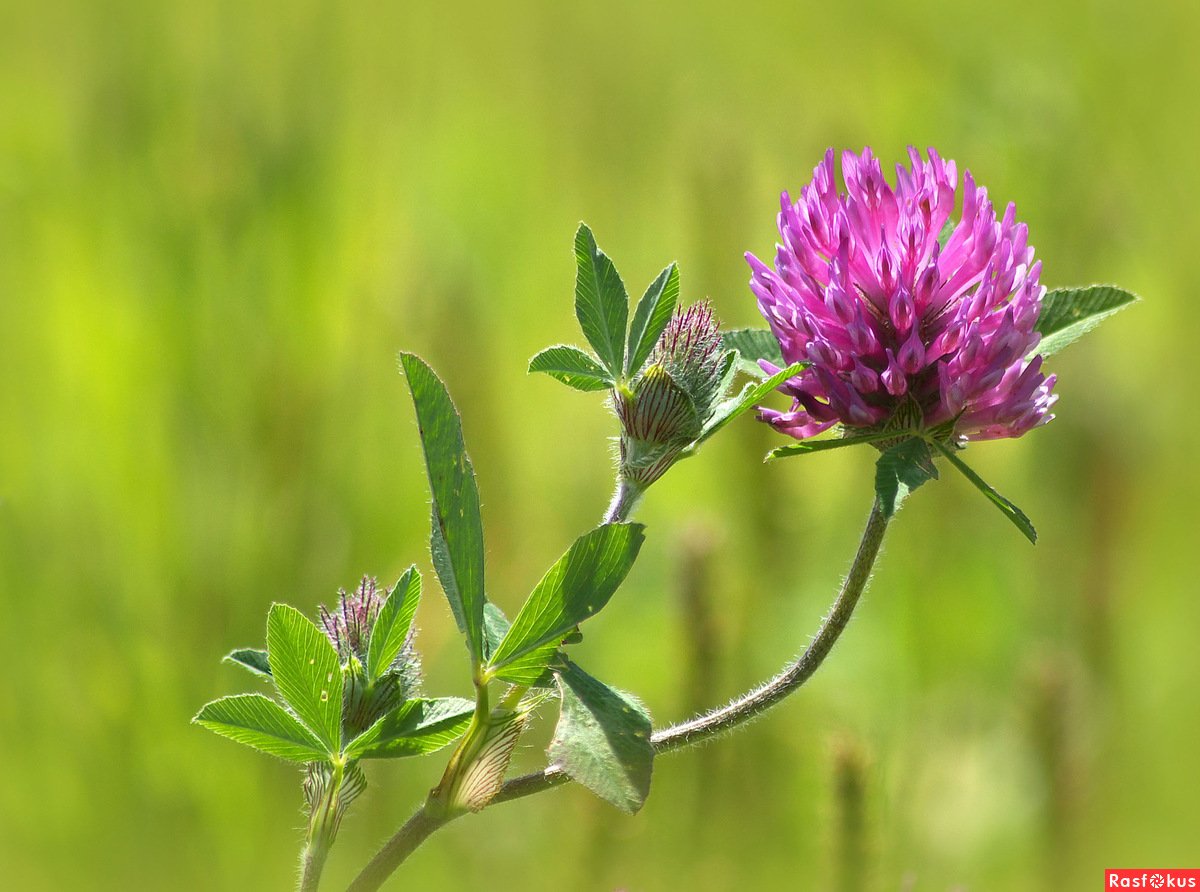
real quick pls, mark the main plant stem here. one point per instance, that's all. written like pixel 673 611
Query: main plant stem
pixel 312 862
pixel 322 827
pixel 703 727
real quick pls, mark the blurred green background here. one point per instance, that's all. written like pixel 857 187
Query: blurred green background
pixel 219 222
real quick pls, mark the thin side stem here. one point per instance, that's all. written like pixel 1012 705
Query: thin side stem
pixel 701 728
pixel 756 702
pixel 415 831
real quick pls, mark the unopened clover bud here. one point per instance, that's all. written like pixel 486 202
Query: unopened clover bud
pixel 664 409
pixel 349 626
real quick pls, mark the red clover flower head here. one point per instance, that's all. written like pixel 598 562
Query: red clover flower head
pixel 894 304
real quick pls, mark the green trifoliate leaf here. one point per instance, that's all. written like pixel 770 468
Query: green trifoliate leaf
pixel 575 588
pixel 603 740
pixel 751 394
pixel 417 727
pixel 262 723
pixel 535 668
pixel 1068 313
pixel 393 624
pixel 753 344
pixel 456 541
pixel 804 447
pixel 601 303
pixel 572 367
pixel 306 672
pixel 651 317
pixel 495 627
pixel 900 470
pixel 1007 508
pixel 250 658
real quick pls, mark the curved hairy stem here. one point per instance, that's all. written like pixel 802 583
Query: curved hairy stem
pixel 415 831
pixel 703 727
pixel 757 701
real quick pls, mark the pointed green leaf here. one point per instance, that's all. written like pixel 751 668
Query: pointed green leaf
pixel 1068 313
pixel 603 740
pixel 393 624
pixel 262 723
pixel 753 344
pixel 651 317
pixel 250 658
pixel 307 672
pixel 900 470
pixel 417 727
pixel 751 395
pixel 535 668
pixel 572 367
pixel 601 303
pixel 804 447
pixel 456 540
pixel 1007 508
pixel 575 588
pixel 495 627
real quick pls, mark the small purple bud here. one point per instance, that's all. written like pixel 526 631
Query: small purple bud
pixel 912 354
pixel 863 379
pixel 894 379
pixel 902 312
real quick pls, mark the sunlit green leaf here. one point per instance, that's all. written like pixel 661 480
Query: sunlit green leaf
pixel 252 659
pixel 262 723
pixel 578 585
pixel 751 395
pixel 601 303
pixel 307 672
pixel 417 727
pixel 651 317
pixel 393 623
pixel 751 345
pixel 603 740
pixel 456 541
pixel 1068 313
pixel 572 367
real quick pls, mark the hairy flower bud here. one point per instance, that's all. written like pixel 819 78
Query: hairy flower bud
pixel 664 409
pixel 349 627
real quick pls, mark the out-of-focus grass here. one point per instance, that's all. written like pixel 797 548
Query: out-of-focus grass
pixel 219 221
